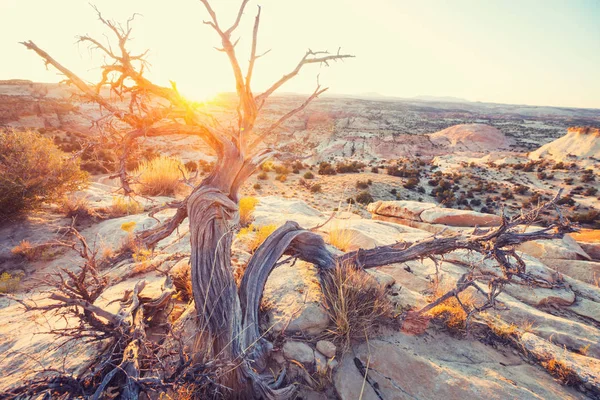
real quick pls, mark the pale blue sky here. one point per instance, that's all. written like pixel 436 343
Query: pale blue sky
pixel 520 51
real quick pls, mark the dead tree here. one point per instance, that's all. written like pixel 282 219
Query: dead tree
pixel 228 315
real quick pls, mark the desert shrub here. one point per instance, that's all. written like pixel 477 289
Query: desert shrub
pixel 281 178
pixel 257 186
pixel 375 170
pixel 9 283
pixel 281 169
pixel 403 171
pixel 354 302
pixel 255 235
pixel 586 217
pixel 262 176
pixel 349 167
pixel 122 206
pixel 316 188
pixel 296 171
pixel 587 176
pixel 246 207
pixel 159 176
pixel 364 197
pixel 206 166
pixel 326 168
pixel 191 166
pixel 568 181
pixel 297 165
pixel 411 183
pixel 350 200
pixel 566 200
pixel 362 184
pixel 309 175
pixel 590 191
pixel 394 191
pixel 559 165
pixel 33 171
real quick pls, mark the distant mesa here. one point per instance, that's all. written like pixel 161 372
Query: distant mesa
pixel 581 142
pixel 471 138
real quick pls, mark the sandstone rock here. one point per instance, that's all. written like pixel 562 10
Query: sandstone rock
pixel 299 351
pixel 592 249
pixel 326 348
pixel 451 217
pixel 294 300
pixel 440 367
pixel 586 368
pixel 564 249
pixel 562 331
pixel 385 280
pixel 587 308
pixel 583 142
pixel 585 271
pixel 536 296
pixel 471 137
pixel 405 209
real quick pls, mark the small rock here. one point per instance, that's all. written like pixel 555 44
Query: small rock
pixel 326 348
pixel 331 364
pixel 299 351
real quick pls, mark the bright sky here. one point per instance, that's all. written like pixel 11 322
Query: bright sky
pixel 544 52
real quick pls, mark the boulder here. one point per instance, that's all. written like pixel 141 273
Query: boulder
pixel 563 249
pixel 294 300
pixel 440 367
pixel 452 217
pixel 299 351
pixel 587 369
pixel 585 271
pixel 405 209
pixel 326 348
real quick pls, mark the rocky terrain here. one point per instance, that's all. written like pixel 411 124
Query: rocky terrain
pixel 400 171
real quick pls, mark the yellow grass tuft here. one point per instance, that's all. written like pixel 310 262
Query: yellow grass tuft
pixel 160 176
pixel 247 206
pixel 255 235
pixel 9 283
pixel 450 311
pixel 122 206
pixel 561 371
pixel 340 237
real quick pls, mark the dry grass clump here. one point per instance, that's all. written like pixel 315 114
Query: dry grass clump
pixel 255 235
pixel 77 207
pixel 160 176
pixel 354 302
pixel 563 373
pixel 450 311
pixel 246 207
pixel 122 206
pixel 340 237
pixel 44 251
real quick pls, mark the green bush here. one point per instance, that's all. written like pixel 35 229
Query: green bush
pixel 309 175
pixel 33 171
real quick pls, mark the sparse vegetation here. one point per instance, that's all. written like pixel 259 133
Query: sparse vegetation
pixel 255 235
pixel 355 303
pixel 247 206
pixel 34 171
pixel 160 176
